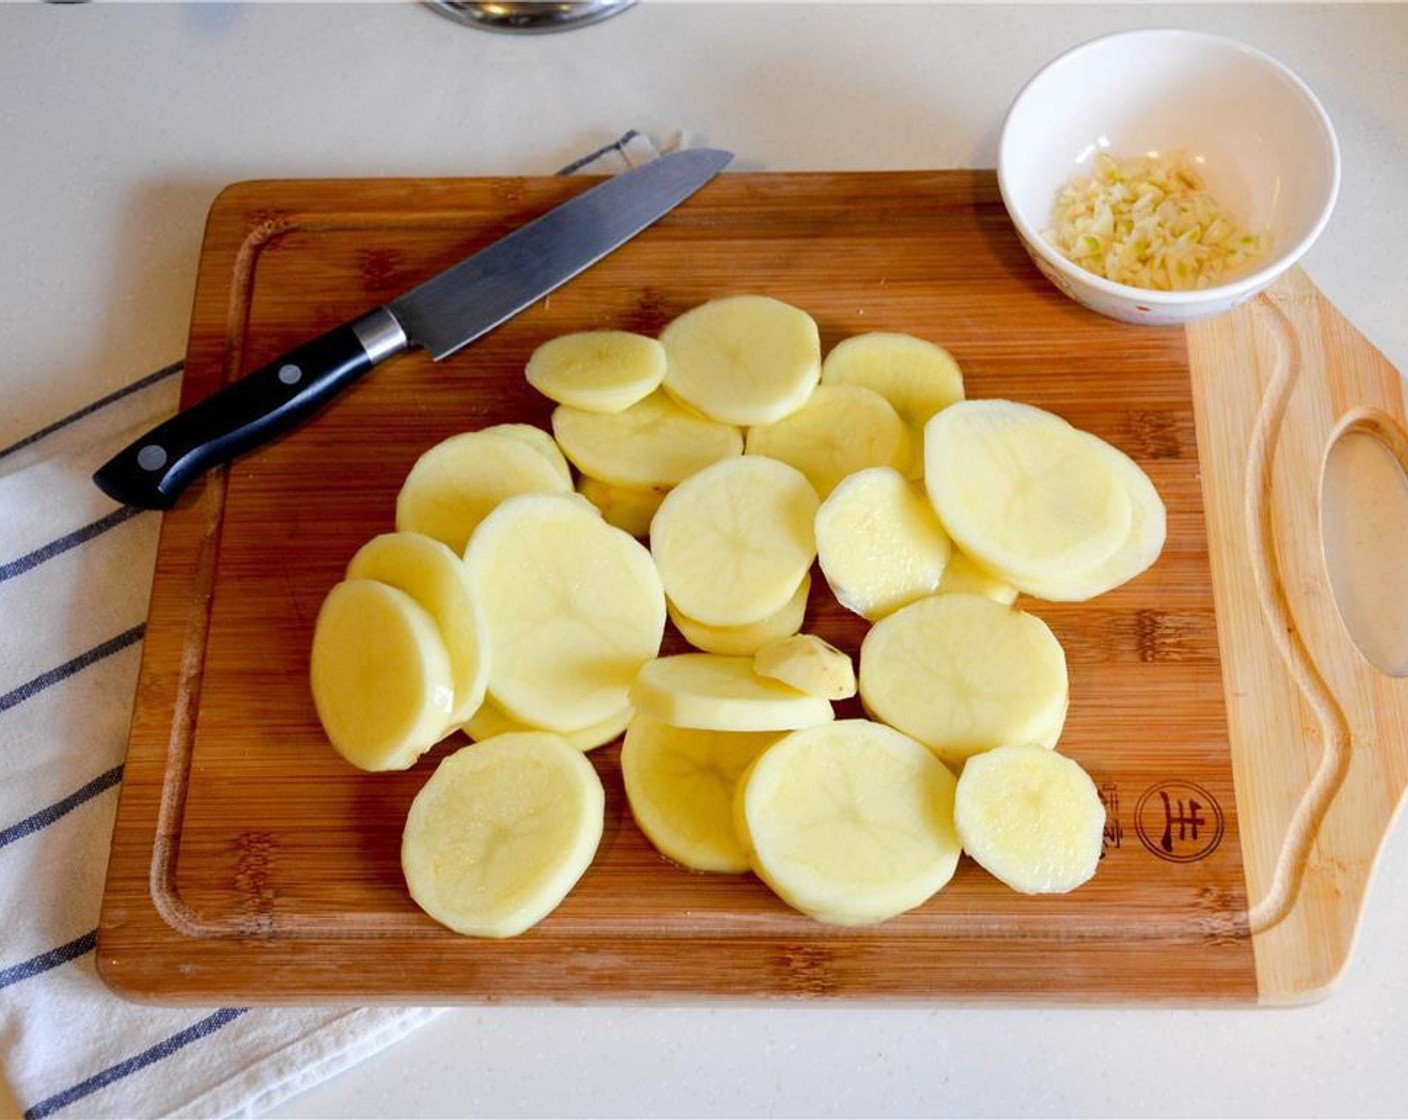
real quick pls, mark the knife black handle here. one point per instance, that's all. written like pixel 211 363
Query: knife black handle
pixel 152 471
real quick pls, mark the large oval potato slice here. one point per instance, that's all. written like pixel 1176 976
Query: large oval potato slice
pixel 574 608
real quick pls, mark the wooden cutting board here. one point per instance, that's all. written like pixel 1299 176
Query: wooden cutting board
pixel 1250 759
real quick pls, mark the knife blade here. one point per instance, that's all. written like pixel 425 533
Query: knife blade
pixel 441 315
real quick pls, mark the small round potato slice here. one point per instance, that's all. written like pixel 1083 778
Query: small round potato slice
pixel 733 541
pixel 743 359
pixel 654 443
pixel 381 677
pixel 851 822
pixel 1031 818
pixel 435 577
pixel 501 832
pixel 879 543
pixel 597 371
pixel 461 480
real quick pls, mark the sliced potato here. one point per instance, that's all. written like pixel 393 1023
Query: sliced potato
pixel 747 639
pixel 1031 817
pixel 573 606
pixel 501 833
pixel 435 577
pixel 680 783
pixel 879 543
pixel 963 674
pixel 381 677
pixel 809 664
pixel 840 430
pixel 915 376
pixel 733 541
pixel 491 720
pixel 459 481
pixel 629 509
pixel 598 371
pixel 743 359
pixel 654 443
pixel 1022 492
pixel 851 822
pixel 715 693
pixel 540 441
pixel 1147 529
pixel 962 576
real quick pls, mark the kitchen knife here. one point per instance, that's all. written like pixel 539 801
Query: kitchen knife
pixel 440 316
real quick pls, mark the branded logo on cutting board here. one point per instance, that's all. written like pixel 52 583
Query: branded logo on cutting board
pixel 1179 821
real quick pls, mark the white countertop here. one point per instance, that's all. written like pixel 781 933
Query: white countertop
pixel 118 125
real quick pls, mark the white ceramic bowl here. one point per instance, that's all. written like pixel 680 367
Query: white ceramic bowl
pixel 1262 141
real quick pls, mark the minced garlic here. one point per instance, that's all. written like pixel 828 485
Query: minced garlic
pixel 1149 223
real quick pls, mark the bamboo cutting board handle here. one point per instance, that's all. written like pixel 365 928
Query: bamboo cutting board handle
pixel 1319 735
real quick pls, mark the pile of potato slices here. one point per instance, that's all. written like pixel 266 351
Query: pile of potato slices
pixel 695 480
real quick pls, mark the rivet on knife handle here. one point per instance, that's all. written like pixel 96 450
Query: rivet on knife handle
pixel 151 472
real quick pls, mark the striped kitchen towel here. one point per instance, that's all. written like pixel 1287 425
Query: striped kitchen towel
pixel 75 574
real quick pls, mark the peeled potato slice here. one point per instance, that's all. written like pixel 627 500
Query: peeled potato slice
pixel 879 543
pixel 573 606
pixel 598 371
pixel 715 693
pixel 733 541
pixel 628 509
pixel 501 833
pixel 654 443
pixel 540 441
pixel 738 641
pixel 963 577
pixel 491 720
pixel 743 359
pixel 1021 491
pixel 840 430
pixel 963 674
pixel 680 784
pixel 915 376
pixel 381 678
pixel 809 664
pixel 851 823
pixel 458 482
pixel 1140 548
pixel 1031 817
pixel 434 577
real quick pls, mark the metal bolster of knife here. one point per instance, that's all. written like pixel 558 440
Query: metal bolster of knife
pixel 380 334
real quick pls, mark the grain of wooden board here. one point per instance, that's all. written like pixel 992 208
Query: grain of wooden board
pixel 1249 758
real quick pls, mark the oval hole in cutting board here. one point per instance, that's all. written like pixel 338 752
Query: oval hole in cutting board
pixel 1364 527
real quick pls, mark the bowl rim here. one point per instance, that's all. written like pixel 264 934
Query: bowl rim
pixel 1252 281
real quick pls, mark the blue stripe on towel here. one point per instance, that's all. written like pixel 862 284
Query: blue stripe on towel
pixel 87 410
pixel 62 544
pixel 45 961
pixel 164 1049
pixel 47 816
pixel 616 146
pixel 68 668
